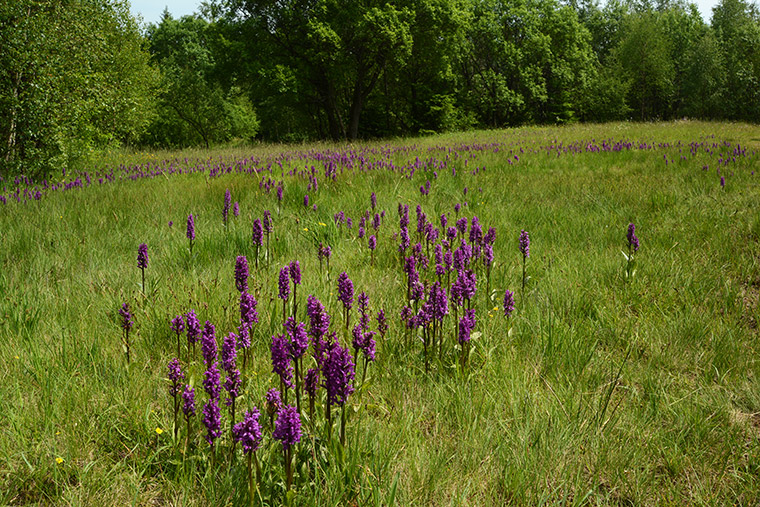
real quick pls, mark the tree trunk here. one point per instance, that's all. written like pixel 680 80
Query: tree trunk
pixel 12 124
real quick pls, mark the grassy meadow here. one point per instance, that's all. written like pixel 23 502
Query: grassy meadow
pixel 600 389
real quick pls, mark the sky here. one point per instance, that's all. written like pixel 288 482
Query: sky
pixel 151 10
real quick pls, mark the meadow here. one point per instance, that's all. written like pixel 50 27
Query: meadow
pixel 621 376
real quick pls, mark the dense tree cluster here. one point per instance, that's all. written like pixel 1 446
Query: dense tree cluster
pixel 76 74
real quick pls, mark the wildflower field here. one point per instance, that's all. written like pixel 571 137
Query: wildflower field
pixel 533 316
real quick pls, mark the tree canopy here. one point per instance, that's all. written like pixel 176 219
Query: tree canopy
pixel 77 75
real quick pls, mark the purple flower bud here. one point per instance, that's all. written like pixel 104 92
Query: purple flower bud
pixel 462 225
pixel 382 323
pixel 190 228
pixel 188 398
pixel 273 401
pixel 361 232
pixel 175 375
pixel 287 429
pixel 236 209
pixel 212 419
pixel 281 360
pixel 509 303
pixel 248 313
pixel 232 385
pixel 372 242
pixel 211 380
pixel 476 232
pixel 177 324
pixel 524 244
pixel 267 222
pixel 319 319
pixel 306 200
pixel 405 242
pixel 193 327
pixel 299 340
pixel 229 352
pixel 241 274
pixel 373 199
pixel 295 272
pixel 345 290
pixel 142 256
pixel 227 203
pixel 258 233
pixel 284 284
pixel 311 382
pixel 208 343
pixel 466 325
pixel 633 241
pixel 126 318
pixel 487 255
pixel 338 375
pixel 444 221
pixel 490 236
pixel 248 431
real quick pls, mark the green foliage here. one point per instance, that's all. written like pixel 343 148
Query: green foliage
pixel 603 393
pixel 74 77
pixel 194 108
pixel 644 58
pixel 736 24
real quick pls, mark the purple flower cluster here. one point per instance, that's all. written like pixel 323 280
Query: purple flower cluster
pixel 524 244
pixel 248 431
pixel 190 228
pixel 241 274
pixel 345 290
pixel 126 318
pixel 175 376
pixel 257 236
pixel 509 303
pixel 280 352
pixel 193 327
pixel 288 427
pixel 188 401
pixel 466 325
pixel 227 203
pixel 212 380
pixel 299 340
pixel 273 401
pixel 208 343
pixel 338 375
pixel 294 269
pixel 633 241
pixel 178 325
pixel 212 419
pixel 284 284
pixel 319 319
pixel 142 256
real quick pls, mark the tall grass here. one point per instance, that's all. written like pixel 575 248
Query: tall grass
pixel 607 391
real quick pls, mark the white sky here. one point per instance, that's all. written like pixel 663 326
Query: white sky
pixel 151 10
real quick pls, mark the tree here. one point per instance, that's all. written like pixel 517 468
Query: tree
pixel 73 77
pixel 737 30
pixel 336 49
pixel 528 60
pixel 644 54
pixel 194 107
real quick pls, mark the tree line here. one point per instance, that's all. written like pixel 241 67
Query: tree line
pixel 77 75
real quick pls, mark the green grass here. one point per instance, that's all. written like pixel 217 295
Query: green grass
pixel 606 392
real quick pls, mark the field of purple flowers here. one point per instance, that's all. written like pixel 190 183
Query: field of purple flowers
pixel 561 315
